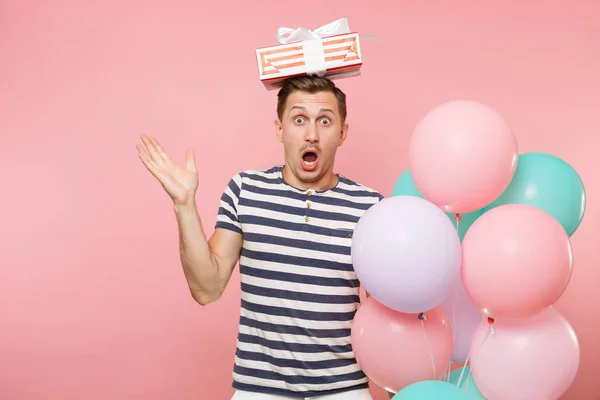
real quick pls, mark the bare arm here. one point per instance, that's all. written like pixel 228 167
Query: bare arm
pixel 207 264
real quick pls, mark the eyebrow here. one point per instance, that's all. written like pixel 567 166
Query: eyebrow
pixel 321 110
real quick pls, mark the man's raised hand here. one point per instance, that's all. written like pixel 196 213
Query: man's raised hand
pixel 180 183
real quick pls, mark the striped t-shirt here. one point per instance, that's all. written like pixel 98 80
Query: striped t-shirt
pixel 299 291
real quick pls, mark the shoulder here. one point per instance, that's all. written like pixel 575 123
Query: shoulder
pixel 258 174
pixel 253 176
pixel 357 189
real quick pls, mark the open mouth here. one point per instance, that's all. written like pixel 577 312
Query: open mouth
pixel 309 160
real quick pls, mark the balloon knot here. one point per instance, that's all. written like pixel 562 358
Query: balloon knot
pixel 422 317
pixel 457 217
pixel 490 320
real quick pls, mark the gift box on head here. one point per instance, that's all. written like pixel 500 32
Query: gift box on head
pixel 331 51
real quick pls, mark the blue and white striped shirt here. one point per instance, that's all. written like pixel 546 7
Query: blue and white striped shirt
pixel 299 291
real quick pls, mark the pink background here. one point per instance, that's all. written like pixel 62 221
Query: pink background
pixel 93 301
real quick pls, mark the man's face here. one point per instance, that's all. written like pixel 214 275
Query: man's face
pixel 311 130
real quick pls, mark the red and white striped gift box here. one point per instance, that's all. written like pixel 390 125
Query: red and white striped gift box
pixel 334 57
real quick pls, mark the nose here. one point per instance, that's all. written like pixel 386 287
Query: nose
pixel 312 133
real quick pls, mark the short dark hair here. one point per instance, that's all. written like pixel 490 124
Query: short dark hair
pixel 310 84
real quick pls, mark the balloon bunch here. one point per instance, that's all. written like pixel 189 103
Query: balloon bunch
pixel 463 264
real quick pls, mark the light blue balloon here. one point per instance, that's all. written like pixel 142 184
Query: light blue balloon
pixel 467 383
pixel 405 186
pixel 431 390
pixel 547 182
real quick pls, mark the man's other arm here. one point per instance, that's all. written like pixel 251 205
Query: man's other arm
pixel 207 264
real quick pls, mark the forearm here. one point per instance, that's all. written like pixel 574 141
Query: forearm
pixel 199 264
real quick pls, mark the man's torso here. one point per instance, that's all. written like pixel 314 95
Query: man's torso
pixel 299 291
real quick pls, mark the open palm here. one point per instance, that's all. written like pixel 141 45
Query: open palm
pixel 180 183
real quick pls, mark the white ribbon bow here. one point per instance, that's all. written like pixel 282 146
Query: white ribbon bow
pixel 338 27
pixel 289 35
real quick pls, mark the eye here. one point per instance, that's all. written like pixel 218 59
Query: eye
pixel 325 121
pixel 298 119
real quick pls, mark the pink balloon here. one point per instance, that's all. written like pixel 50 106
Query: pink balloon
pixel 517 260
pixel 529 359
pixel 462 156
pixel 392 349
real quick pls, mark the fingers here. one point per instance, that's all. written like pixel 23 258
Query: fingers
pixel 154 157
pixel 190 162
pixel 156 152
pixel 163 154
pixel 150 164
pixel 166 180
pixel 150 148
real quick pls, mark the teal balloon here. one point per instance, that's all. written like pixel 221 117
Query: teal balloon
pixel 431 390
pixel 467 383
pixel 546 182
pixel 405 186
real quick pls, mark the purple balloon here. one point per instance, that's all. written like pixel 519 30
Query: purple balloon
pixel 464 318
pixel 407 254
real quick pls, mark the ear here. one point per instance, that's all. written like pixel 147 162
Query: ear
pixel 279 130
pixel 344 133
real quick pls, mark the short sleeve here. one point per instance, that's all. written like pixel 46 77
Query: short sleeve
pixel 227 217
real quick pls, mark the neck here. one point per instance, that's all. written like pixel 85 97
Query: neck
pixel 327 181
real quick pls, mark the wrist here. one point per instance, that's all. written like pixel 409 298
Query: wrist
pixel 185 208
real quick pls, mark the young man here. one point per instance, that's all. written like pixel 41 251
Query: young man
pixel 290 227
